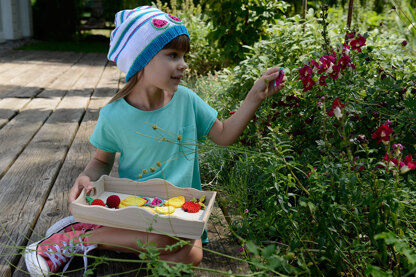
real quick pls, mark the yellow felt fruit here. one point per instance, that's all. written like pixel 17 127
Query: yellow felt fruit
pixel 132 201
pixel 176 202
pixel 165 209
pixel 149 209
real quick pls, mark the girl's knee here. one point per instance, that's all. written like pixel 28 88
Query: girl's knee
pixel 195 257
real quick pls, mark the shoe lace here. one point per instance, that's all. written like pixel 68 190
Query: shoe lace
pixel 66 254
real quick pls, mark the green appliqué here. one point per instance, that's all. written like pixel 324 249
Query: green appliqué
pixel 159 24
pixel 174 19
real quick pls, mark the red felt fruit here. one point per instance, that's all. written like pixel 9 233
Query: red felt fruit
pixel 98 202
pixel 191 207
pixel 113 201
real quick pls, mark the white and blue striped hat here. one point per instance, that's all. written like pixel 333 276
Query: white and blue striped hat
pixel 139 35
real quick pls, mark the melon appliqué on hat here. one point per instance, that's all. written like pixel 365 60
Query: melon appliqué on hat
pixel 159 24
pixel 174 19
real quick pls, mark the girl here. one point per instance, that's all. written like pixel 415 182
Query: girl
pixel 141 122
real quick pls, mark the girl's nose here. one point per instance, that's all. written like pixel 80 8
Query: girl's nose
pixel 182 65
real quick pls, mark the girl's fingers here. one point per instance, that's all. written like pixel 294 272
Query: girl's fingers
pixel 272 70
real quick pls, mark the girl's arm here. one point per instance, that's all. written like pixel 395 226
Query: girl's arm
pixel 101 164
pixel 227 132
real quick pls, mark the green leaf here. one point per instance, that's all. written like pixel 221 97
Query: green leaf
pixel 268 250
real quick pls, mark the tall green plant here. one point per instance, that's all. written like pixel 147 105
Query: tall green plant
pixel 241 22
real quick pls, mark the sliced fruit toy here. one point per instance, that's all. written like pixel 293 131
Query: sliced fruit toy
pixel 176 202
pixel 165 210
pixel 98 202
pixel 191 206
pixel 156 202
pixel 132 201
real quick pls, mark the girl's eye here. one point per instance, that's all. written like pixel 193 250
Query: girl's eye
pixel 173 55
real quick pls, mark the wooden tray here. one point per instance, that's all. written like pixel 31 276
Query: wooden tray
pixel 180 224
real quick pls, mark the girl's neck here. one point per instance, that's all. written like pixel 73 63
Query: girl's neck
pixel 149 99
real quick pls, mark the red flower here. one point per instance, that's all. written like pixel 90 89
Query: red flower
pixel 335 71
pixel 344 61
pixel 305 72
pixel 308 84
pixel 408 164
pixel 345 48
pixel 404 42
pixel 326 61
pixel 383 132
pixel 357 43
pixel 322 80
pixel 314 64
pixel 336 109
pixel 351 35
pixel 404 166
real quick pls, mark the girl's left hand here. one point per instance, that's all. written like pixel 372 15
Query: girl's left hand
pixel 264 86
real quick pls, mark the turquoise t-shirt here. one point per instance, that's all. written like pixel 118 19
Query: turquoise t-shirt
pixel 168 135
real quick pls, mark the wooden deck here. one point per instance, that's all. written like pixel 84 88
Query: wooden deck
pixel 49 104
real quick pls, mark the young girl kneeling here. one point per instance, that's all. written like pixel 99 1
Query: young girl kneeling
pixel 140 123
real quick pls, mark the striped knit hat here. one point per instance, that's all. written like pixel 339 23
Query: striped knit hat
pixel 139 35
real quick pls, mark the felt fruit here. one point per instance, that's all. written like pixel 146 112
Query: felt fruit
pixel 176 202
pixel 156 202
pixel 132 201
pixel 174 19
pixel 159 23
pixel 191 206
pixel 113 201
pixel 165 210
pixel 279 79
pixel 149 209
pixel 98 202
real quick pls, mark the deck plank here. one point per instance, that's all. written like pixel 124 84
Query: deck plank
pixel 21 73
pixel 41 75
pixel 20 130
pixel 79 154
pixel 31 177
pixel 10 107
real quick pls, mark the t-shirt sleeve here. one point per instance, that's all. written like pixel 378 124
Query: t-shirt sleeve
pixel 205 116
pixel 102 136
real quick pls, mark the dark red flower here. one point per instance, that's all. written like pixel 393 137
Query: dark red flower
pixel 345 48
pixel 383 132
pixel 344 61
pixel 357 43
pixel 322 80
pixel 335 71
pixel 351 35
pixel 404 42
pixel 305 72
pixel 336 109
pixel 308 84
pixel 408 164
pixel 314 64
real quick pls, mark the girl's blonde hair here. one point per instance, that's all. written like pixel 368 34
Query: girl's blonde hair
pixel 180 43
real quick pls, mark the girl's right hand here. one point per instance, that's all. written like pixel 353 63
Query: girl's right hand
pixel 80 183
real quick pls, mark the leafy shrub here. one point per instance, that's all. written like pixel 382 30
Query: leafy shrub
pixel 237 23
pixel 317 187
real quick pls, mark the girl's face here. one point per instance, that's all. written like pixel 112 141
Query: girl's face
pixel 166 69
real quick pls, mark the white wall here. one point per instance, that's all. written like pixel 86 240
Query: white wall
pixel 16 19
pixel 1 25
